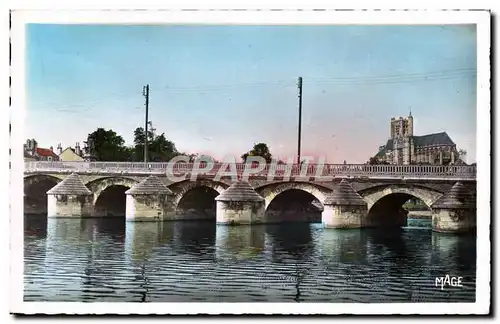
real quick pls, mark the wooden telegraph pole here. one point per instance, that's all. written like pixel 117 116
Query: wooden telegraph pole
pixel 299 84
pixel 145 93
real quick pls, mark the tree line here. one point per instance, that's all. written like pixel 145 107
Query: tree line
pixel 106 145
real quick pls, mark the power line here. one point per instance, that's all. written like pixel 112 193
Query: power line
pixel 409 77
pixel 401 75
pixel 387 81
pixel 88 105
pixel 230 86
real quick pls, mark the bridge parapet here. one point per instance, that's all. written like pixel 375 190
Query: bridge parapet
pixel 269 171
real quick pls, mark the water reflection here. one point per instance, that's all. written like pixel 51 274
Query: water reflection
pixel 455 250
pixel 142 238
pixel 239 242
pixel 113 227
pixel 392 245
pixel 35 226
pixel 69 242
pixel 68 231
pixel 344 245
pixel 110 260
pixel 193 238
pixel 294 239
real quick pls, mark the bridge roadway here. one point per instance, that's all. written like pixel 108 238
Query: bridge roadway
pixel 311 172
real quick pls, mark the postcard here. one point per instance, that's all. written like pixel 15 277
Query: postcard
pixel 250 162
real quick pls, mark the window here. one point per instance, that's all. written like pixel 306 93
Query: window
pixel 49 158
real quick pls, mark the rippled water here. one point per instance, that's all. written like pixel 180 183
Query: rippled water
pixel 110 260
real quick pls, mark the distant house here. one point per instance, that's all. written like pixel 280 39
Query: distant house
pixel 34 153
pixel 75 154
pixel 69 153
pixel 44 154
pixel 405 148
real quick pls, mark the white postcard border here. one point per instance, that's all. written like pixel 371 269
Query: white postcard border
pixel 481 18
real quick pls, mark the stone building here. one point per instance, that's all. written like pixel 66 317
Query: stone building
pixel 403 147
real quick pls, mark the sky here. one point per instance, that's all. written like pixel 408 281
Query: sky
pixel 218 90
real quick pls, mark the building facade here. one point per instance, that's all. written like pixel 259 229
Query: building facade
pixel 403 147
pixel 69 153
pixel 34 153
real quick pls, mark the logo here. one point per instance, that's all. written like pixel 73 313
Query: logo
pixel 449 281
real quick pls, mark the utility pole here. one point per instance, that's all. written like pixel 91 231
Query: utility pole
pixel 299 84
pixel 145 93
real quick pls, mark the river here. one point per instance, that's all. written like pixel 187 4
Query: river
pixel 110 260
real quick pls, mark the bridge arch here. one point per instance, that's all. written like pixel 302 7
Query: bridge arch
pixel 374 194
pixel 196 199
pixel 180 189
pixel 100 185
pixel 385 203
pixel 271 191
pixel 109 195
pixel 37 178
pixel 293 201
pixel 35 192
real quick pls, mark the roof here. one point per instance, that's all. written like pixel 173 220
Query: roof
pixel 433 139
pixel 344 195
pixel 387 147
pixel 70 149
pixel 71 185
pixel 148 186
pixel 240 191
pixel 45 152
pixel 459 196
pixel 420 141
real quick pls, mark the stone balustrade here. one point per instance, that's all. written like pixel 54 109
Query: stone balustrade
pixel 410 172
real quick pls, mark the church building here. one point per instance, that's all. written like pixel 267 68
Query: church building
pixel 403 147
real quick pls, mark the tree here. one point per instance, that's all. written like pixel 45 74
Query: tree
pixel 260 149
pixel 159 147
pixel 139 142
pixel 107 145
pixel 162 149
pixel 374 161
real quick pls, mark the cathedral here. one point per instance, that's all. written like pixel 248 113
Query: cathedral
pixel 405 148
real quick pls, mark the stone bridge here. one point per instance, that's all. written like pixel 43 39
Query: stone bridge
pixel 348 196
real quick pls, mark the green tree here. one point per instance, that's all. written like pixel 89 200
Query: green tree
pixel 162 149
pixel 159 147
pixel 107 145
pixel 260 149
pixel 374 161
pixel 139 142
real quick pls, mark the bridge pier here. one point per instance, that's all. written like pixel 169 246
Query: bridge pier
pixel 240 204
pixel 455 211
pixel 148 201
pixel 344 208
pixel 69 198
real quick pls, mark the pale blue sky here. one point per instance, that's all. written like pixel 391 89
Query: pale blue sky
pixel 220 89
